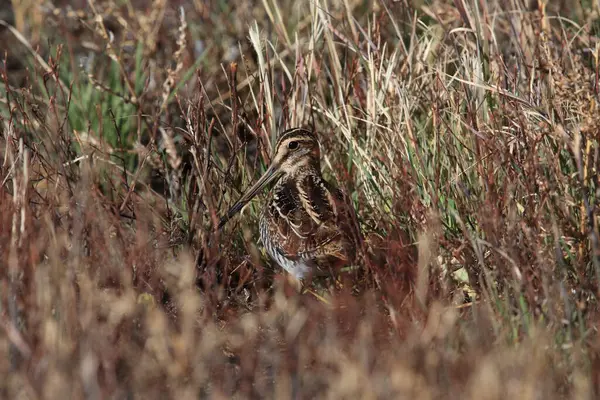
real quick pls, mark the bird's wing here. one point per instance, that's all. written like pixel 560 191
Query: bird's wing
pixel 307 218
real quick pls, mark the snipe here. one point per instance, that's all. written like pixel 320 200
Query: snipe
pixel 307 226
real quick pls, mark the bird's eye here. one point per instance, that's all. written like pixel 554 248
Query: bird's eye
pixel 293 145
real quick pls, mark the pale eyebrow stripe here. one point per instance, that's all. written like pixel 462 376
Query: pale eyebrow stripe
pixel 295 139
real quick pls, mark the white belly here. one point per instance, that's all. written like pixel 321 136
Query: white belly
pixel 298 268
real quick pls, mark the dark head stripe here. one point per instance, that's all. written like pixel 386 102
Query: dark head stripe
pixel 296 133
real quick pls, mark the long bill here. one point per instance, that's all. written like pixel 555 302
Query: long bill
pixel 271 173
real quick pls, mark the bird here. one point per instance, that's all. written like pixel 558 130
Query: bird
pixel 308 226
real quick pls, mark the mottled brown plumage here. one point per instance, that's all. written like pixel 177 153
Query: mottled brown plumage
pixel 308 226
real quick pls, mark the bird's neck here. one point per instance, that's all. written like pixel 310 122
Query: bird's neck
pixel 308 167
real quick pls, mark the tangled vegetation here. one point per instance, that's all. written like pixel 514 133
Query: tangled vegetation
pixel 465 132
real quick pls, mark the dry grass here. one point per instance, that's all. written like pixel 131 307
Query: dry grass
pixel 466 133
